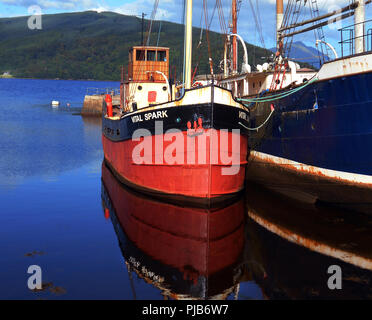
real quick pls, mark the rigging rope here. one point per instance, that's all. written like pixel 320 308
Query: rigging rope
pixel 214 10
pixel 157 42
pixel 153 14
pixel 258 25
pixel 221 19
pixel 199 47
pixel 260 21
pixel 207 35
pixel 291 16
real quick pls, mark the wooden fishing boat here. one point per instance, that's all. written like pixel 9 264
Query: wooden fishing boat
pixel 182 143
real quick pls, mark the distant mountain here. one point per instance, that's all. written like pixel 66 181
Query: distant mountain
pixel 305 54
pixel 91 45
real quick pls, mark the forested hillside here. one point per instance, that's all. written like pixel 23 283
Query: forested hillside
pixel 91 45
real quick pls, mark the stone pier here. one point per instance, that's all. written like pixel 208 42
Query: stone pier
pixel 93 105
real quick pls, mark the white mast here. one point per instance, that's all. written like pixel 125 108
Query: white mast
pixel 188 46
pixel 359 26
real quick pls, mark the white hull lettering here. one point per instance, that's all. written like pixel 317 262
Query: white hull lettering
pixel 137 119
pixel 156 115
pixel 243 115
pixel 150 116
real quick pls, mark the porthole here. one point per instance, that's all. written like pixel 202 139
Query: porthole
pixel 139 88
pixel 164 88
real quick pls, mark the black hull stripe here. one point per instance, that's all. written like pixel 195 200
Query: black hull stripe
pixel 214 115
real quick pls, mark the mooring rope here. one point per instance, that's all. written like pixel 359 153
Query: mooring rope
pixel 280 95
pixel 262 125
pixel 273 98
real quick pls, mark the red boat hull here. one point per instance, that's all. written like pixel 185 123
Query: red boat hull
pixel 201 182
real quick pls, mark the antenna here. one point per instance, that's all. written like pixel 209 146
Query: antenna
pixel 142 24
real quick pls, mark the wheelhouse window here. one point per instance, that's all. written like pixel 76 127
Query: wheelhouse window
pixel 162 56
pixel 151 55
pixel 140 55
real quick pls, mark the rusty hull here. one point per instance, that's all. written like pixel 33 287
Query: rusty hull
pixel 310 185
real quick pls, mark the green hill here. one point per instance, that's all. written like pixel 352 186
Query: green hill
pixel 91 45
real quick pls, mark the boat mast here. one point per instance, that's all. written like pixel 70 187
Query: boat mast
pixel 359 26
pixel 234 19
pixel 279 19
pixel 187 45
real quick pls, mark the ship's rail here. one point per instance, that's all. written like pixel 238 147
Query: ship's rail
pixel 348 38
pixel 100 91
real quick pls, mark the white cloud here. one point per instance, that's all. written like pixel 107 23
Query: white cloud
pixel 165 9
pixel 137 7
pixel 99 9
pixel 52 4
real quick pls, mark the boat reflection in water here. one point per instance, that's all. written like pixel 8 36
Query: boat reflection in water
pixel 262 246
pixel 295 244
pixel 187 253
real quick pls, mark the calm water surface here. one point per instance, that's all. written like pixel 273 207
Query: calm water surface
pixel 94 239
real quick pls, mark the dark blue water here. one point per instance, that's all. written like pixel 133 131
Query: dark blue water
pixel 50 169
pixel 52 215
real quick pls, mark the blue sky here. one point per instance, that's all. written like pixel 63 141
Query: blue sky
pixel 171 10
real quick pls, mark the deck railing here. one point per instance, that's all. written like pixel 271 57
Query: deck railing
pixel 100 91
pixel 348 38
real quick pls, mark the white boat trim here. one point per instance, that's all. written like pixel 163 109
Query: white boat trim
pixel 346 67
pixel 201 95
pixel 347 177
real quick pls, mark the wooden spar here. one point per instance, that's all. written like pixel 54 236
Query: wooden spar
pixel 347 8
pixel 225 69
pixel 322 24
pixel 234 31
pixel 279 19
pixel 188 46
